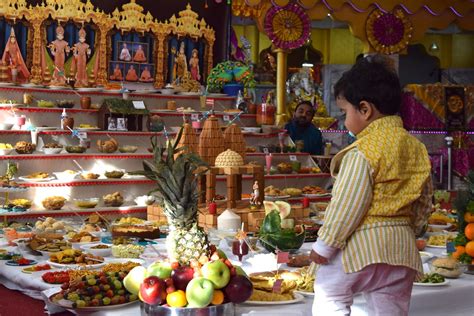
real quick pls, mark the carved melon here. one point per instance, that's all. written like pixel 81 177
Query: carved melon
pixel 284 208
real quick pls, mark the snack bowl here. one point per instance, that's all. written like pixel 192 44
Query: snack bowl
pixel 144 200
pixel 52 151
pixel 76 149
pixel 54 202
pixel 6 126
pixel 167 91
pixel 114 174
pixel 89 175
pixel 7 151
pixel 103 251
pixel 128 149
pixel 67 175
pixel 86 203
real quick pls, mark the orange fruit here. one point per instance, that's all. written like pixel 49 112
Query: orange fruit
pixel 217 298
pixel 469 231
pixel 459 251
pixel 177 299
pixel 469 217
pixel 470 248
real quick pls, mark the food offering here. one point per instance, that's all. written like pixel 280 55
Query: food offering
pixel 108 146
pixel 76 149
pixel 115 199
pixel 315 191
pixel 89 176
pixel 114 174
pixel 51 225
pixel 278 231
pixel 94 292
pixel 135 227
pixel 86 203
pixel 24 148
pixel 209 281
pixel 285 168
pixel 439 241
pixel 54 202
pixel 74 257
pixel 52 148
pixel 56 277
pixel 447 267
pixel 45 104
pixel 293 192
pixel 36 268
pixel 431 279
pixel 5 148
pixel 83 237
pixel 47 244
pixel 21 262
pixel 127 251
pixel 263 283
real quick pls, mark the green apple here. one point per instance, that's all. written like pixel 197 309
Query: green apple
pixel 134 278
pixel 240 271
pixel 199 292
pixel 159 269
pixel 217 272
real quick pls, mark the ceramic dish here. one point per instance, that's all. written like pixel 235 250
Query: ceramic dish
pixel 52 151
pixel 5 152
pixel 446 282
pixel 66 175
pixel 76 266
pixel 297 298
pixel 26 179
pixel 16 264
pixel 68 305
pixel 101 252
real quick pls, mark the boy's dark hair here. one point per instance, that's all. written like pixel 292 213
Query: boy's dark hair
pixel 305 103
pixel 374 80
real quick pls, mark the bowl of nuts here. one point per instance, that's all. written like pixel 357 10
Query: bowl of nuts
pixel 24 148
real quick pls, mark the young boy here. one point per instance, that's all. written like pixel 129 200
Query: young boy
pixel 301 127
pixel 381 200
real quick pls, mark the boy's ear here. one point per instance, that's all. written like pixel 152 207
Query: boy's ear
pixel 366 109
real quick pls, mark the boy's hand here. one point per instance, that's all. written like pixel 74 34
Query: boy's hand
pixel 314 256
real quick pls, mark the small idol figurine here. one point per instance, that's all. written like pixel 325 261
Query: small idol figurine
pixel 131 74
pixel 81 52
pixel 59 49
pixel 146 75
pixel 139 55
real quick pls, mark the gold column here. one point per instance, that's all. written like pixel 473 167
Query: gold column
pixel 101 76
pixel 281 116
pixel 36 73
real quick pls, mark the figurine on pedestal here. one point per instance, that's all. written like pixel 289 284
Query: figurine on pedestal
pixel 181 63
pixel 194 65
pixel 146 75
pixel 81 52
pixel 59 49
pixel 255 194
pixel 13 59
pixel 125 53
pixel 139 55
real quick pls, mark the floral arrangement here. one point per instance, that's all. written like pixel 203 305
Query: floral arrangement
pixel 388 32
pixel 230 72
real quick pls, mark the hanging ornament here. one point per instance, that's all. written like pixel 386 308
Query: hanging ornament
pixel 388 32
pixel 288 27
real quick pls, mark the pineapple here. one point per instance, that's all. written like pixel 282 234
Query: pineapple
pixel 177 186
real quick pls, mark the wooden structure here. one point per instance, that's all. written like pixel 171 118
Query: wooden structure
pixel 189 140
pixel 207 183
pixel 118 108
pixel 234 140
pixel 211 140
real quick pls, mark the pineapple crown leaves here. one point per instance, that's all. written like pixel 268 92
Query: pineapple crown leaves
pixel 175 178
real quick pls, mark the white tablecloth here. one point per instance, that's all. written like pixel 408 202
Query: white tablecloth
pixel 456 299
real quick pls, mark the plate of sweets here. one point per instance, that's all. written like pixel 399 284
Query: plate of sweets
pixel 21 262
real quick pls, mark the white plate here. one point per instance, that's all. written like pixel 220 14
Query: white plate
pixel 189 93
pixel 75 266
pixel 68 305
pixel 133 176
pixel 298 298
pixel 124 260
pixel 145 91
pixel 30 85
pixel 276 197
pixel 114 91
pixel 87 129
pixel 309 294
pixel 7 105
pixel 316 195
pixel 446 282
pixel 59 87
pixel 89 89
pixel 3 84
pixel 439 226
pixel 436 246
pixel 36 180
pixel 46 128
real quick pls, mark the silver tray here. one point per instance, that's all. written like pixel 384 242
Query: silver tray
pixel 227 309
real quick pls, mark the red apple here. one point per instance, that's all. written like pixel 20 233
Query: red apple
pixel 420 244
pixel 239 289
pixel 182 276
pixel 153 290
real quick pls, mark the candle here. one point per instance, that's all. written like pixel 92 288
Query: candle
pixel 305 202
pixel 212 208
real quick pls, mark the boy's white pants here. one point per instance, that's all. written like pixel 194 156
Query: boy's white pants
pixel 386 288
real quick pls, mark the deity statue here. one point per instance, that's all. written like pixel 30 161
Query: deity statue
pixel 194 65
pixel 117 75
pixel 14 60
pixel 59 49
pixel 81 51
pixel 125 53
pixel 139 55
pixel 255 194
pixel 146 75
pixel 180 62
pixel 131 74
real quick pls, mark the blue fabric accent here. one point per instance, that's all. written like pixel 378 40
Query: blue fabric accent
pixel 312 137
pixel 21 34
